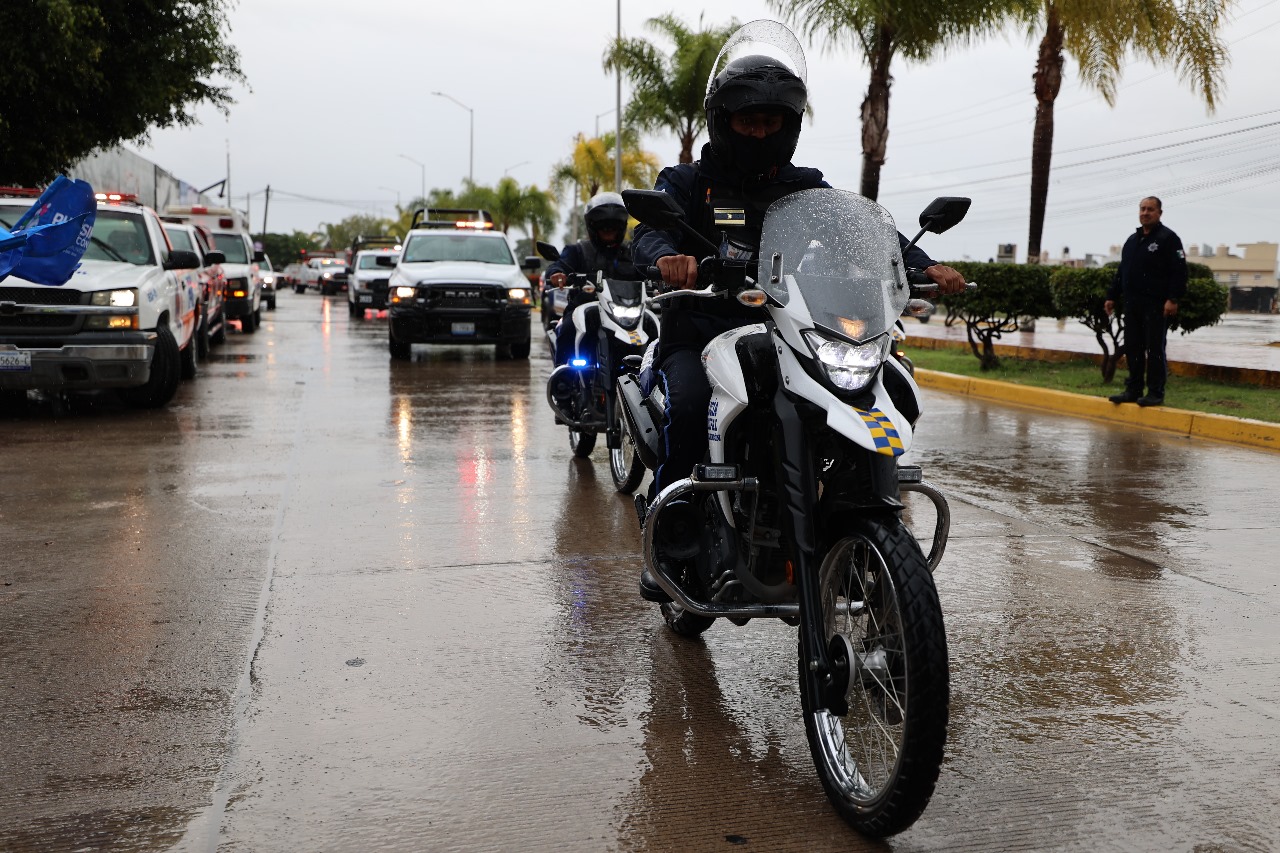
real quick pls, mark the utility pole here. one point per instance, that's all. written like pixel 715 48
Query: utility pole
pixel 617 158
pixel 266 207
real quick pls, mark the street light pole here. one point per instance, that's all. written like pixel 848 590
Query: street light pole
pixel 509 168
pixel 600 116
pixel 617 159
pixel 471 164
pixel 423 166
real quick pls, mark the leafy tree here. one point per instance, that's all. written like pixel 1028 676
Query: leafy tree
pixel 667 92
pixel 286 248
pixel 1079 293
pixel 914 29
pixel 1098 34
pixel 589 168
pixel 342 234
pixel 79 75
pixel 1006 293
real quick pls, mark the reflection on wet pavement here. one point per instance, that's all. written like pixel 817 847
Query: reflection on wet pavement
pixel 1110 597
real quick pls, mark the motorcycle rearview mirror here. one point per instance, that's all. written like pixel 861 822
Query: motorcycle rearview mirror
pixel 660 211
pixel 942 214
pixel 548 251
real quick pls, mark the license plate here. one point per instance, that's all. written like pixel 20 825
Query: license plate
pixel 464 328
pixel 366 297
pixel 15 361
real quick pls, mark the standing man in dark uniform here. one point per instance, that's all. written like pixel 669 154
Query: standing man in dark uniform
pixel 1152 278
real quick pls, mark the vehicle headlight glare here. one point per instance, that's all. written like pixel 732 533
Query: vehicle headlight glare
pixel 626 312
pixel 519 294
pixel 116 298
pixel 849 366
pixel 404 292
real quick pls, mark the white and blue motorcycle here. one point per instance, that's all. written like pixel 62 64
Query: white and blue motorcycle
pixel 796 513
pixel 611 320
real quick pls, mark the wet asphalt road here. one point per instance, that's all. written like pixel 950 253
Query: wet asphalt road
pixel 330 602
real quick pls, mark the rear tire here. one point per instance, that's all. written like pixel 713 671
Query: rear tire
pixel 520 349
pixel 163 382
pixel 879 759
pixel 582 443
pixel 187 361
pixel 247 324
pixel 202 336
pixel 220 336
pixel 624 461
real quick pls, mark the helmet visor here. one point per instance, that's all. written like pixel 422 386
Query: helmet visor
pixel 763 38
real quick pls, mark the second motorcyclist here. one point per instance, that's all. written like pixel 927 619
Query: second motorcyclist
pixel 605 250
pixel 754 109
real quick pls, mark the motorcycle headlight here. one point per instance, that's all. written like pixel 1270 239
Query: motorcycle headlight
pixel 848 366
pixel 627 313
pixel 126 298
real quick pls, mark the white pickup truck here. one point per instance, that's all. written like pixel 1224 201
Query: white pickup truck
pixel 127 319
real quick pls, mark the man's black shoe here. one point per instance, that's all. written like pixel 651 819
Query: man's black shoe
pixel 650 591
pixel 1126 397
pixel 1151 400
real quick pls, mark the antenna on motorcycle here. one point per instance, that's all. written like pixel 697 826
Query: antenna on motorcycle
pixel 660 211
pixel 943 213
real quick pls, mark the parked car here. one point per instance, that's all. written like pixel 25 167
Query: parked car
pixel 212 328
pixel 267 279
pixel 126 320
pixel 230 230
pixel 373 259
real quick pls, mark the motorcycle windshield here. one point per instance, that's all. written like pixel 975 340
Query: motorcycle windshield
pixel 840 253
pixel 625 292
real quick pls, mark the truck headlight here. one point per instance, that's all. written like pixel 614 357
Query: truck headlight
pixel 401 293
pixel 126 298
pixel 848 366
pixel 518 294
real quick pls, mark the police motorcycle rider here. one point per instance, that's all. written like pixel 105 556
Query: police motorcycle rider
pixel 605 250
pixel 754 109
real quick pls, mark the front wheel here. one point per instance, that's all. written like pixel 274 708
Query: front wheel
pixel 400 350
pixel 877 731
pixel 624 461
pixel 162 383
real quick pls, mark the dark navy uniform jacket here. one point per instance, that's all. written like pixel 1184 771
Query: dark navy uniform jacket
pixel 700 188
pixel 1152 266
pixel 584 257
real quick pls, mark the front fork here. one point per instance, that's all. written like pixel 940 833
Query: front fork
pixel 799 489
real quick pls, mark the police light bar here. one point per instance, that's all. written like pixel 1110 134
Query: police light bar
pixel 115 197
pixel 24 192
pixel 479 226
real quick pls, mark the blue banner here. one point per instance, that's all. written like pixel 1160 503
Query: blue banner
pixel 47 241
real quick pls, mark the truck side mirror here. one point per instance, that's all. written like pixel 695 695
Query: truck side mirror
pixel 182 259
pixel 214 257
pixel 259 257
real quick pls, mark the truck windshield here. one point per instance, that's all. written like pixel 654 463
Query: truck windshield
pixel 119 236
pixel 372 262
pixel 233 246
pixel 425 248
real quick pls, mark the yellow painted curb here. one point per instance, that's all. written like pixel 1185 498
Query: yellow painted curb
pixel 1244 431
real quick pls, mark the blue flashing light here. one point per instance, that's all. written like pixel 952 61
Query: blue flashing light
pixel 577 362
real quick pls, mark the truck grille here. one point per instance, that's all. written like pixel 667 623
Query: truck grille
pixel 464 296
pixel 39 296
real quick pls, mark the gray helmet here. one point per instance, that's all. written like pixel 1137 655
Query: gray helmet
pixel 605 210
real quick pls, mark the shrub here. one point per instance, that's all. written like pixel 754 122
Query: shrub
pixel 1005 294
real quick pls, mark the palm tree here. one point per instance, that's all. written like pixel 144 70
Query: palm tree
pixel 590 167
pixel 1098 34
pixel 916 29
pixel 667 91
pixel 528 207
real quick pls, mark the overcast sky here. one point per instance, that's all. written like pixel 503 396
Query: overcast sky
pixel 339 95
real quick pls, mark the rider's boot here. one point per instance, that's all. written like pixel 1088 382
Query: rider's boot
pixel 649 589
